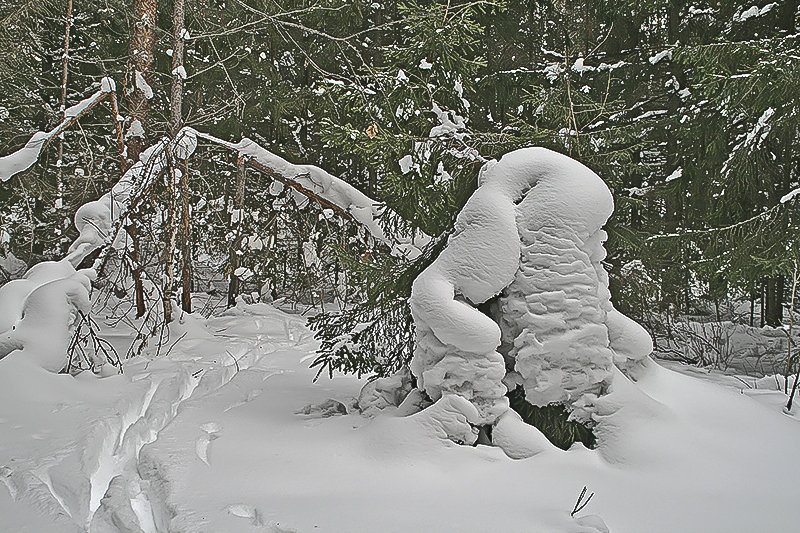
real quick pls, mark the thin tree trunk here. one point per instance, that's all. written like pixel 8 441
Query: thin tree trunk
pixel 112 97
pixel 142 52
pixel 176 94
pixel 176 123
pixel 774 303
pixel 169 255
pixel 238 209
pixel 138 285
pixel 185 240
pixel 63 109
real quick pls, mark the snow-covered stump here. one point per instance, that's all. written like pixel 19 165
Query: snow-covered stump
pixel 532 235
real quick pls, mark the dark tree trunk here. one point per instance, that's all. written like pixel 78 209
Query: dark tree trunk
pixel 142 52
pixel 774 301
pixel 175 124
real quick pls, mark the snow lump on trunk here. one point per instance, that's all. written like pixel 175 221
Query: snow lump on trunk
pixel 532 235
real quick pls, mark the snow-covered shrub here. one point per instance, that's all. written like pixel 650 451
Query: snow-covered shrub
pixel 532 234
pixel 725 345
pixel 39 313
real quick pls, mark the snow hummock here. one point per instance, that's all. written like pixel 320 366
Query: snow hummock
pixel 531 233
pixel 677 173
pixel 142 85
pixel 580 67
pixel 753 11
pixel 790 195
pixel 180 72
pixel 39 312
pixel 135 129
pixel 664 54
pixel 406 162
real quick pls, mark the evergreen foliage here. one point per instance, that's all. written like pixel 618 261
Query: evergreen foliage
pixel 553 421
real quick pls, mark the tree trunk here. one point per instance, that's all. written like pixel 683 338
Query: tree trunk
pixel 176 94
pixel 175 124
pixel 138 285
pixel 774 301
pixel 142 51
pixel 63 109
pixel 185 240
pixel 169 255
pixel 238 205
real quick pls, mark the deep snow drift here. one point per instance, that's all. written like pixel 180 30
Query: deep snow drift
pixel 228 433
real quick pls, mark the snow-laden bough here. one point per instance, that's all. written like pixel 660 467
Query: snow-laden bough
pixel 40 312
pixel 531 235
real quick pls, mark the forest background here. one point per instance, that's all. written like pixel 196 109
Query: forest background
pixel 688 110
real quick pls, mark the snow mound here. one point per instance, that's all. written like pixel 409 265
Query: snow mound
pixel 383 393
pixel 38 313
pixel 191 441
pixel 532 234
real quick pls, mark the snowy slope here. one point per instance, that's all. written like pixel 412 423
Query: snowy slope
pixel 208 438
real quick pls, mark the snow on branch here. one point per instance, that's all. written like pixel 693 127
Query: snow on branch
pixel 98 221
pixel 24 158
pixel 326 189
pixel 40 313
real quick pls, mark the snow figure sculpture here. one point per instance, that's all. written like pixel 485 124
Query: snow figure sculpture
pixel 532 234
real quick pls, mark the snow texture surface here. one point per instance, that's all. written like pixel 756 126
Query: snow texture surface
pixel 39 312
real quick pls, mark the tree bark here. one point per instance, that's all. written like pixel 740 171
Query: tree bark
pixel 63 109
pixel 176 94
pixel 774 301
pixel 142 52
pixel 138 285
pixel 175 124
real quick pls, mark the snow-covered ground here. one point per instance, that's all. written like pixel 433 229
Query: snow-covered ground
pixel 227 432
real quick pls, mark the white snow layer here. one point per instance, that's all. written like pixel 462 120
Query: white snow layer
pixel 24 158
pixel 200 440
pixel 142 85
pixel 533 232
pixel 38 312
